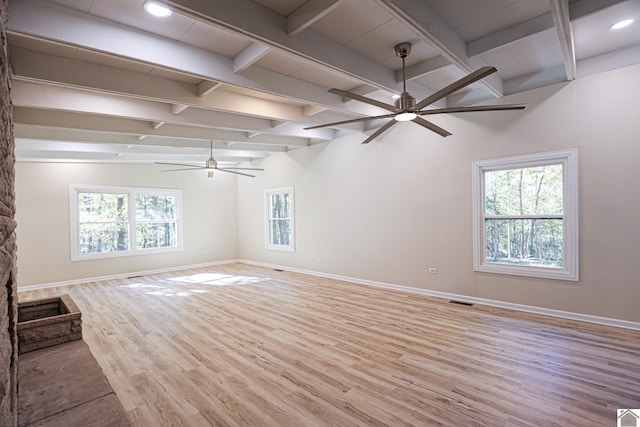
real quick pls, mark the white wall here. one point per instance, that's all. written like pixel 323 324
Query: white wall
pixel 42 213
pixel 389 210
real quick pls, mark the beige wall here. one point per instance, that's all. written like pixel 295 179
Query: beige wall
pixel 42 202
pixel 389 210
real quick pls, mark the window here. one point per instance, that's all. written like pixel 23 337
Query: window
pixel 279 218
pixel 122 221
pixel 525 215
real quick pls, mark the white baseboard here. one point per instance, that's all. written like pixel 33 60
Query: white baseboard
pixel 493 303
pixel 121 276
pixel 463 298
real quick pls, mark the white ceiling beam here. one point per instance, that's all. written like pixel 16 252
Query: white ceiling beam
pixel 178 108
pixel 276 123
pixel 577 10
pixel 418 16
pixel 308 13
pixel 50 21
pixel 585 67
pixel 609 61
pixel 581 8
pixel 153 145
pixel 26 94
pixel 249 56
pixel 119 154
pixel 535 80
pixel 206 87
pixel 264 25
pixel 560 13
pixel 509 35
pixel 42 67
pixel 311 110
pixel 89 124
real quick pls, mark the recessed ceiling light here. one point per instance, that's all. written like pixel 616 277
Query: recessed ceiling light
pixel 157 9
pixel 622 24
pixel 395 96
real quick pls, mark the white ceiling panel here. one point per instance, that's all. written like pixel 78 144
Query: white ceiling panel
pixel 341 26
pixel 132 14
pixel 107 73
pixel 526 55
pixel 472 19
pixel 378 43
pixel 215 39
pixel 280 62
pixel 593 35
pixel 282 7
pixel 82 5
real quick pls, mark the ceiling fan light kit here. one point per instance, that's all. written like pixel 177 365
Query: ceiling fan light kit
pixel 405 117
pixel 406 109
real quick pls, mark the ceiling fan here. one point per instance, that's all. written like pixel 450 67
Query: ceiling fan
pixel 211 165
pixel 406 109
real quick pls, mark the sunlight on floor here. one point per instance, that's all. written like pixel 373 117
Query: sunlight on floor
pixel 167 287
pixel 217 279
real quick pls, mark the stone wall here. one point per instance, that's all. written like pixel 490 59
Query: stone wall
pixel 8 290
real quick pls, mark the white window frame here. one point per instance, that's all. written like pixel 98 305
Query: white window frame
pixel 569 160
pixel 75 189
pixel 267 206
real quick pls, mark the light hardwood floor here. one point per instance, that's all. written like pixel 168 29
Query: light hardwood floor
pixel 239 345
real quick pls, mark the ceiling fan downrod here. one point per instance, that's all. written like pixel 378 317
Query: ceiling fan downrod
pixel 406 102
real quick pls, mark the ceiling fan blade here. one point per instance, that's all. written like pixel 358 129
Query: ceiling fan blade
pixel 247 169
pixel 237 173
pixel 379 131
pixel 184 169
pixel 473 109
pixel 179 164
pixel 479 74
pixel 431 126
pixel 361 119
pixel 364 99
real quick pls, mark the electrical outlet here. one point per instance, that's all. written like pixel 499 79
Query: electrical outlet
pixel 312 257
pixel 433 270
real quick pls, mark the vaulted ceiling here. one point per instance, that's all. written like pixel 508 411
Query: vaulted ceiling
pixel 102 80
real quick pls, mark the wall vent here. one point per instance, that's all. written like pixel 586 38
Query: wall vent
pixel 468 304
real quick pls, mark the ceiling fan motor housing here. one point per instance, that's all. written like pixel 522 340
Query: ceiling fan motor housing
pixel 212 164
pixel 406 102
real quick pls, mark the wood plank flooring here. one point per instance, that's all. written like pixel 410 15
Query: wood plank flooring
pixel 239 345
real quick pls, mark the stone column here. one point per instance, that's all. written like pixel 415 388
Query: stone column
pixel 8 290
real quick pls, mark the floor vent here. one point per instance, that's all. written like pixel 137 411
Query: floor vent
pixel 468 304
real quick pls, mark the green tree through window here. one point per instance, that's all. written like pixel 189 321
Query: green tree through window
pixel 117 221
pixel 279 218
pixel 155 221
pixel 523 216
pixel 103 222
pixel 526 215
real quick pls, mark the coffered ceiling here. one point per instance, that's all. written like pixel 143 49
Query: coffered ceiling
pixel 102 80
